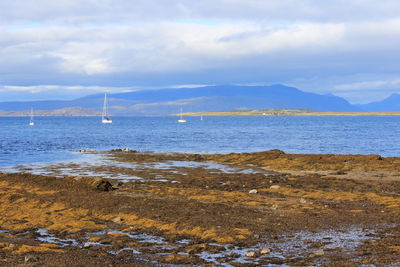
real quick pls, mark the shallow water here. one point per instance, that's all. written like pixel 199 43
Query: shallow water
pixel 102 166
pixel 52 137
pixel 287 246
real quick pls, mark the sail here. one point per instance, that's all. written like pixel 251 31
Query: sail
pixel 31 123
pixel 104 116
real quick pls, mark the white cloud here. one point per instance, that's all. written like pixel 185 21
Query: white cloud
pixel 171 47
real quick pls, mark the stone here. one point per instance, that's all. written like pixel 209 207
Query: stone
pixel 303 201
pixel 30 258
pixel 319 252
pixel 253 191
pixel 104 186
pixel 274 207
pixel 274 187
pixel 117 219
pixel 264 251
pixel 12 245
pixel 250 254
pixel 87 245
pixel 125 149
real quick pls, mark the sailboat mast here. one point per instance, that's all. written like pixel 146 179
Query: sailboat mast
pixel 105 106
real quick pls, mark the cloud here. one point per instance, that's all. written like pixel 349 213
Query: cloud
pixel 376 85
pixel 117 11
pixel 175 47
pixel 320 46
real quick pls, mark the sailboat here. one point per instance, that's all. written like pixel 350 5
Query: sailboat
pixel 104 117
pixel 201 117
pixel 181 119
pixel 31 123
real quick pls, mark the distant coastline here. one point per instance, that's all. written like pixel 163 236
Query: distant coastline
pixel 72 112
pixel 286 112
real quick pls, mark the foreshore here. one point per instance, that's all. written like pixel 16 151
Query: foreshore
pixel 239 209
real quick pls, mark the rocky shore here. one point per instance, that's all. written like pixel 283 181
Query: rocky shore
pixel 241 209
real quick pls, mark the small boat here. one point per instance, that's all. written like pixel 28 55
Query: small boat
pixel 201 117
pixel 181 119
pixel 31 122
pixel 105 117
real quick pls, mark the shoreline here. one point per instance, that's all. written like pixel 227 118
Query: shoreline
pixel 134 208
pixel 267 113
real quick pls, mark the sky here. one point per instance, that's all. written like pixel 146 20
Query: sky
pixel 69 48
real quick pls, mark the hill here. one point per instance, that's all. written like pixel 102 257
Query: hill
pixel 200 99
pixel 392 103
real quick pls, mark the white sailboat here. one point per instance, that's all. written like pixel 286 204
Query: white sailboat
pixel 201 117
pixel 105 117
pixel 31 122
pixel 181 119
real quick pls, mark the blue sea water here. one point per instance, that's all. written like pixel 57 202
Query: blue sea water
pixel 52 138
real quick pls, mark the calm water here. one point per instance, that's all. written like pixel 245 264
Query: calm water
pixel 52 138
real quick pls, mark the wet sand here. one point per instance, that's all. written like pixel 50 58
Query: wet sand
pixel 247 209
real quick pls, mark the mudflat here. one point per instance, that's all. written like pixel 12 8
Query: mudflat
pixel 239 209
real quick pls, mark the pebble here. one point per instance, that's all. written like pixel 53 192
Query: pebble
pixel 319 252
pixel 29 258
pixel 250 254
pixel 264 251
pixel 117 219
pixel 87 245
pixel 274 187
pixel 253 191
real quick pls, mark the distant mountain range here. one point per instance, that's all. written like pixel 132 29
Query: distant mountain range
pixel 392 103
pixel 201 99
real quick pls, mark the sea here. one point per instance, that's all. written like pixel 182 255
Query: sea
pixel 55 138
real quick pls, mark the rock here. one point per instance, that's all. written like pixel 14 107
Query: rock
pixel 250 254
pixel 87 245
pixel 12 245
pixel 125 149
pixel 253 191
pixel 97 179
pixel 117 219
pixel 319 252
pixel 274 187
pixel 274 207
pixel 264 251
pixel 30 258
pixel 303 201
pixel 104 186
